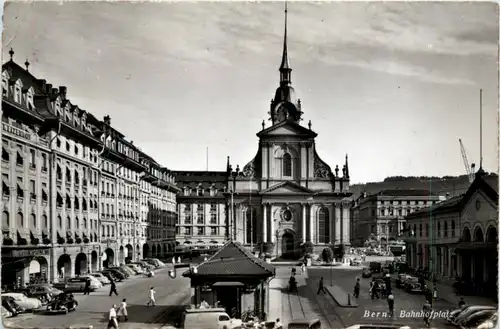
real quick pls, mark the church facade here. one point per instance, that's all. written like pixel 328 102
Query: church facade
pixel 287 195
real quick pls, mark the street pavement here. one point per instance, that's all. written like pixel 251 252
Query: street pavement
pixel 172 296
pixel 374 311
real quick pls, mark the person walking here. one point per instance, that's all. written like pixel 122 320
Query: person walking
pixel 151 300
pixel 390 303
pixel 427 309
pixel 86 290
pixel 122 311
pixel 278 325
pixel 303 268
pixel 357 286
pixel 321 286
pixel 112 321
pixel 112 288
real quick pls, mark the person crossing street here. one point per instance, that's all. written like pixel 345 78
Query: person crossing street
pixel 152 294
pixel 112 288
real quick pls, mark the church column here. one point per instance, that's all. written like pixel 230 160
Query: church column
pixel 331 220
pixel 272 233
pixel 337 222
pixel 270 169
pixel 304 230
pixel 310 160
pixel 264 223
pixel 303 161
pixel 311 224
pixel 265 170
pixel 345 223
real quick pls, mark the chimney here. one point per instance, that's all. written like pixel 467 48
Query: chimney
pixel 55 91
pixel 48 89
pixel 62 91
pixel 107 120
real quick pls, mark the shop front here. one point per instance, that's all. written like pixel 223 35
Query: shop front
pixel 25 266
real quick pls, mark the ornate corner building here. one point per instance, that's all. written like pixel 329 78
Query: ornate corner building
pixel 76 195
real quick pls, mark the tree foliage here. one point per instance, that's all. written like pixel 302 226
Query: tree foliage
pixel 327 255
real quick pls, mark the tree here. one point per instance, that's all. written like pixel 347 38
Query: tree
pixel 307 247
pixel 327 255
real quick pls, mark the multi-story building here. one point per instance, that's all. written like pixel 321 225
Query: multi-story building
pixel 158 209
pixel 71 186
pixel 48 169
pixel 202 221
pixel 381 217
pixel 459 237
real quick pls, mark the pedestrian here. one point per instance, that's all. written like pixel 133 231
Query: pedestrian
pixel 112 321
pixel 303 268
pixel 151 300
pixel 435 294
pixel 86 291
pixel 321 287
pixel 112 288
pixel 356 288
pixel 461 303
pixel 427 309
pixel 278 325
pixel 204 304
pixel 374 289
pixel 390 303
pixel 122 311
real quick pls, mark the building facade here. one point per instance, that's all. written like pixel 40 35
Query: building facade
pixel 459 237
pixel 381 217
pixel 70 186
pixel 286 195
pixel 201 207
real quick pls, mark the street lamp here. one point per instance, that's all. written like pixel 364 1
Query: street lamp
pixel 232 225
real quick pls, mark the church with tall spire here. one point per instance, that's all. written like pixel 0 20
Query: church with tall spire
pixel 287 195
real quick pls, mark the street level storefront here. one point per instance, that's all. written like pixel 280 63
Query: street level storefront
pixel 23 266
pixel 232 278
pixel 456 240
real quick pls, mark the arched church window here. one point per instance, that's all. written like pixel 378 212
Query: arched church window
pixel 251 226
pixel 287 165
pixel 323 226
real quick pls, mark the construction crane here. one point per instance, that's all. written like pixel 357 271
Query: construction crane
pixel 468 169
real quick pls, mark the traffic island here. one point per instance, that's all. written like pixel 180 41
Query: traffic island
pixel 342 298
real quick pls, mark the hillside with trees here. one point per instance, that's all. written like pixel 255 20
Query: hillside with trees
pixel 454 185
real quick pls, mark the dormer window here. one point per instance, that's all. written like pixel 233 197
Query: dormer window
pixel 57 106
pixel 200 191
pixel 5 84
pixel 17 91
pixel 29 99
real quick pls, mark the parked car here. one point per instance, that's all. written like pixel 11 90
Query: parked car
pixel 366 272
pixel 109 275
pixel 146 265
pixel 45 292
pixel 78 284
pixel 490 323
pixel 5 313
pixel 137 268
pixel 27 303
pixel 94 282
pixel 476 318
pixel 10 305
pixel 127 270
pixel 118 269
pixel 375 267
pixel 64 303
pixel 466 312
pixel 101 277
pixel 153 261
pixel 118 275
pixel 401 280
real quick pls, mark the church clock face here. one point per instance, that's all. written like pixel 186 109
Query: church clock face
pixel 287 215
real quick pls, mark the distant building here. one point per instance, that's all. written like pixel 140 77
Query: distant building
pixel 202 221
pixel 380 217
pixel 459 236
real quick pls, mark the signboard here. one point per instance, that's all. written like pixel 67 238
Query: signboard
pixel 15 131
pixel 30 252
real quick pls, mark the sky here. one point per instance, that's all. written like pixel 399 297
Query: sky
pixel 393 85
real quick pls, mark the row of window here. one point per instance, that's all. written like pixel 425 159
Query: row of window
pixel 33 223
pixel 200 230
pixel 440 229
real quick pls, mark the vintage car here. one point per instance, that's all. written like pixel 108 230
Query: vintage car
pixel 401 280
pixel 45 292
pixel 11 306
pixel 23 301
pixel 413 286
pixel 77 284
pixel 475 319
pixel 468 311
pixel 64 303
pixel 101 277
pixel 366 272
pixel 5 313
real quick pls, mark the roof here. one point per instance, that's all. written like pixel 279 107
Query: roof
pixel 406 192
pixel 233 260
pixel 287 183
pixel 486 183
pixel 300 130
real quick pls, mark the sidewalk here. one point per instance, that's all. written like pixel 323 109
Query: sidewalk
pixel 446 293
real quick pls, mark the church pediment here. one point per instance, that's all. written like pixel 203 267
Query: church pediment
pixel 287 188
pixel 287 128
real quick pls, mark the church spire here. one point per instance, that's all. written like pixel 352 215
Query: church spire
pixel 285 70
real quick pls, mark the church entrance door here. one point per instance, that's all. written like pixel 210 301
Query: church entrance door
pixel 288 245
